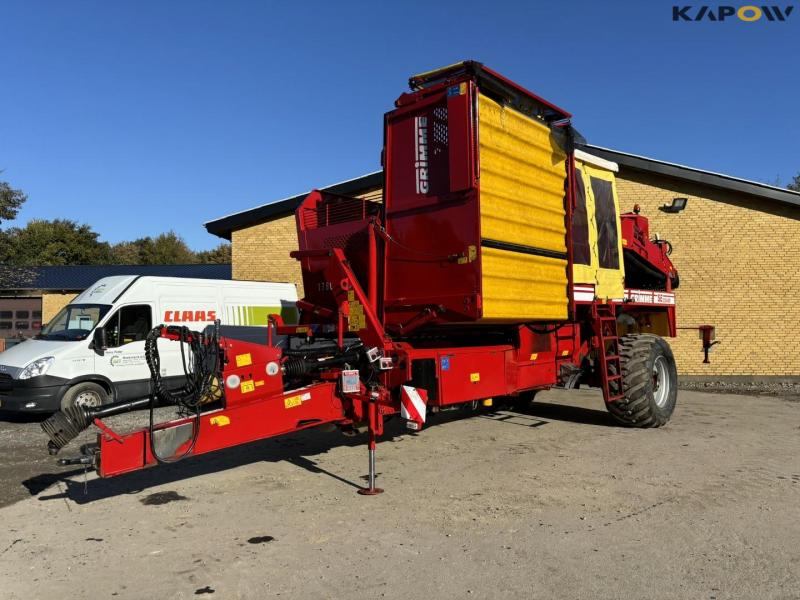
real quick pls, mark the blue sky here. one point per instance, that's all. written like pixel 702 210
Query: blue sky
pixel 138 117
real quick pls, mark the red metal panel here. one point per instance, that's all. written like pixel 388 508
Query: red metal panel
pixel 471 374
pixel 460 136
pixel 431 210
pixel 260 419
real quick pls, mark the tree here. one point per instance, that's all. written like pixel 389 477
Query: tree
pixel 165 249
pixel 220 255
pixel 127 253
pixel 10 201
pixel 795 184
pixel 57 242
pixel 170 249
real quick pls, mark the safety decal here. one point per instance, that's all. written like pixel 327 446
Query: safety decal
pixel 413 404
pixel 292 401
pixel 242 360
pixel 247 386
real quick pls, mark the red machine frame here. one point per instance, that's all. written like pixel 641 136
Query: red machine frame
pixel 410 366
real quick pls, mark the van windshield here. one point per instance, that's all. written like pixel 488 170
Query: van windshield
pixel 73 322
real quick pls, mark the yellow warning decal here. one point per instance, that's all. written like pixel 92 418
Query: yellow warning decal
pixel 474 377
pixel 564 352
pixel 301 330
pixel 259 383
pixel 292 401
pixel 220 420
pixel 534 356
pixel 357 321
pixel 247 386
pixel 242 360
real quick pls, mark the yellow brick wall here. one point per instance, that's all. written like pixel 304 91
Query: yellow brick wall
pixel 52 303
pixel 739 270
pixel 736 255
pixel 261 252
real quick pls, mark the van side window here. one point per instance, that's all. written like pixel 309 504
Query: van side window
pixel 129 324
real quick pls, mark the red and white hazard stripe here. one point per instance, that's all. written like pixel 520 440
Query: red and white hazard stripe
pixel 583 292
pixel 413 404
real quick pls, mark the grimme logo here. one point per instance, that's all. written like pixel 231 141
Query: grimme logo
pixel 747 13
pixel 421 153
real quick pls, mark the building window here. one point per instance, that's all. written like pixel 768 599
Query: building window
pixel 37 314
pixel 606 216
pixel 5 324
pixel 23 314
pixel 6 314
pixel 21 325
pixel 581 253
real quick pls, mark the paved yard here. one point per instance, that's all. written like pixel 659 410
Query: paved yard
pixel 555 502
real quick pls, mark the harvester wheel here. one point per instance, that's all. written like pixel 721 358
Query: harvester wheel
pixel 649 382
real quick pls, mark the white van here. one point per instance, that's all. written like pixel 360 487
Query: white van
pixel 62 365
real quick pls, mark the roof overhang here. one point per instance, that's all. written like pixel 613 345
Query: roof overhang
pixel 598 155
pixel 596 161
pixel 223 226
pixel 697 176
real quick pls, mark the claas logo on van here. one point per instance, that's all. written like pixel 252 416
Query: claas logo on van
pixel 189 316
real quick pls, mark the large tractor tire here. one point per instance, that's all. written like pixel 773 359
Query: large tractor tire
pixel 649 382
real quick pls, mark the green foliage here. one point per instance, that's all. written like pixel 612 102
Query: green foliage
pixel 57 242
pixel 10 201
pixel 165 249
pixel 220 255
pixel 795 184
pixel 65 242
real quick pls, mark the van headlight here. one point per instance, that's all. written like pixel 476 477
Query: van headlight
pixel 37 367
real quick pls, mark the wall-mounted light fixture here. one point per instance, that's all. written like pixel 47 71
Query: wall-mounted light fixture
pixel 678 204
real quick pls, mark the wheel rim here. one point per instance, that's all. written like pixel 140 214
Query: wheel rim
pixel 88 399
pixel 661 382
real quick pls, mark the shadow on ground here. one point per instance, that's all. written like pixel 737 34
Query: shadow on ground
pixel 297 448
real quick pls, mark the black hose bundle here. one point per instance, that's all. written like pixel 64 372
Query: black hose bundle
pixel 202 372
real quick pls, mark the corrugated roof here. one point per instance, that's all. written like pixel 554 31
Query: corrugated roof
pixel 80 277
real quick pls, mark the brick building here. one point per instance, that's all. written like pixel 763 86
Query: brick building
pixel 734 246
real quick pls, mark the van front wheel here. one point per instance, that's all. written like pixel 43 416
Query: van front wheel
pixel 86 394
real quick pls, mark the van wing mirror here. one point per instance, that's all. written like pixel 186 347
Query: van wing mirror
pixel 99 339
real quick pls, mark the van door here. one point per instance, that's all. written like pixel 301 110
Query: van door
pixel 123 362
